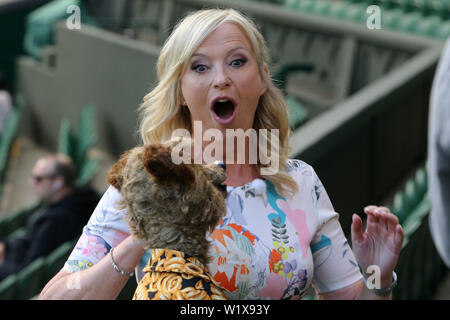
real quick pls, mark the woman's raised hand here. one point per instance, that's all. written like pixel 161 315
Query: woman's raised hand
pixel 379 245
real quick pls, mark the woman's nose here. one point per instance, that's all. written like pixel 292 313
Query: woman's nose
pixel 221 79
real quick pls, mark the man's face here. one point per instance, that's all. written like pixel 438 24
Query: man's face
pixel 43 179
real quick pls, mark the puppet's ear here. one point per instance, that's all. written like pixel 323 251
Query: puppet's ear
pixel 157 159
pixel 115 174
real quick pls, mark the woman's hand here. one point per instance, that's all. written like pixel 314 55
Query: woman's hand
pixel 379 245
pixel 100 281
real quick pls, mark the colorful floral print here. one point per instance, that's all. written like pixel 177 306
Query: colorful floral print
pixel 266 247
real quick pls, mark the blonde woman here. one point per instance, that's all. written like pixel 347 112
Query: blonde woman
pixel 281 234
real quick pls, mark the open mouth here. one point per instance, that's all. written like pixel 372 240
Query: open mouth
pixel 224 110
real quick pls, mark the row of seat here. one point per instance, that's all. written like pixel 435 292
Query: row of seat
pixel 17 220
pixel 298 112
pixel 29 282
pixel 76 144
pixel 7 137
pixel 435 25
pixel 420 268
pixel 426 7
pixel 406 200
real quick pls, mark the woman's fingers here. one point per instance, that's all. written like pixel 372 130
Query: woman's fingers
pixel 399 236
pixel 385 219
pixel 357 232
pixel 373 222
pixel 382 219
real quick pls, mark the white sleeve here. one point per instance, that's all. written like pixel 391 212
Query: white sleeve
pixel 335 265
pixel 105 229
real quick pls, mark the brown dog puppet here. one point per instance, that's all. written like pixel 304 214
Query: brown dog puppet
pixel 171 207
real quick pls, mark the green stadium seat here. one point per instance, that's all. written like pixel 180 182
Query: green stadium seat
pixel 400 207
pixel 55 261
pixel 280 77
pixel 412 193
pixel 428 26
pixel 416 215
pixel 387 4
pixel 421 179
pixel 297 112
pixel 438 7
pixel 8 136
pixel 17 220
pixel 292 4
pixel 8 287
pixel 87 171
pixel 40 23
pixel 356 12
pixel 418 6
pixel 19 232
pixel 419 267
pixel 338 9
pixel 307 5
pixel 87 135
pixel 322 7
pixel 409 22
pixel 77 146
pixel 30 279
pixel 412 200
pixel 87 138
pixel 443 31
pixel 66 139
pixel 390 18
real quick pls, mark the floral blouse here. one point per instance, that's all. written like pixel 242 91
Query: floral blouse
pixel 266 247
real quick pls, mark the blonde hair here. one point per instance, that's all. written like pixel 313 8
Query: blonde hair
pixel 161 111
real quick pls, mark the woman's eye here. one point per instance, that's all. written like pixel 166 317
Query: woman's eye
pixel 199 68
pixel 238 62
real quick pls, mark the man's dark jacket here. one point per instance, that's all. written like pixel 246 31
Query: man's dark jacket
pixel 48 228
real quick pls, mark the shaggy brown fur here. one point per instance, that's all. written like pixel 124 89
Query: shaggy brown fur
pixel 169 206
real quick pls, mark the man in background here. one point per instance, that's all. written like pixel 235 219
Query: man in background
pixel 66 210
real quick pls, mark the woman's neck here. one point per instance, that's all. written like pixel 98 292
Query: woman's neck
pixel 240 174
pixel 237 174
